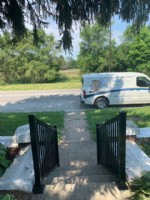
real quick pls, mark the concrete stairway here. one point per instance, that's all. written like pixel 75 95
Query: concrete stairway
pixel 79 177
pixel 85 175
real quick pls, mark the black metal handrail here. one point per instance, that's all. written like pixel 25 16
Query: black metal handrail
pixel 111 146
pixel 44 145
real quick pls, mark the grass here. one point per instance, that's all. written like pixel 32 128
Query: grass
pixel 71 73
pixel 72 81
pixel 11 121
pixel 68 84
pixel 98 117
pixel 139 115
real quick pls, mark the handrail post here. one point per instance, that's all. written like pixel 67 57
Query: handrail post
pixel 56 143
pixel 38 188
pixel 122 149
pixel 98 144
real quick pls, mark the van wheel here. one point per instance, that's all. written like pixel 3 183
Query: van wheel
pixel 101 103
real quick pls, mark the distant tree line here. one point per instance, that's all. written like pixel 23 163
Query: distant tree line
pixel 99 54
pixel 23 62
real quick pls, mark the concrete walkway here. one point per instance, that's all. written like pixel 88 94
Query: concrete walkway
pixel 79 177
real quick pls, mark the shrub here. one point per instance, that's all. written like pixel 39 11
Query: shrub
pixel 4 162
pixel 141 187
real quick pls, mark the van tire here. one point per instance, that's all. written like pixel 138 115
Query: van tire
pixel 101 102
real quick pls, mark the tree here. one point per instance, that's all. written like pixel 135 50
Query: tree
pixel 139 52
pixel 134 52
pixel 70 63
pixel 122 50
pixel 95 49
pixel 14 14
pixel 25 62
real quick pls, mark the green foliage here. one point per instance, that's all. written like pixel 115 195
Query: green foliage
pixel 64 13
pixel 7 197
pixel 141 187
pixel 122 63
pixel 99 54
pixel 139 53
pixel 134 52
pixel 26 63
pixel 97 50
pixel 70 63
pixel 4 162
pixel 146 148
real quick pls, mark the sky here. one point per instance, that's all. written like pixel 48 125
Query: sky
pixel 118 28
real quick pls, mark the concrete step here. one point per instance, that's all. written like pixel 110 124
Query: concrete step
pixel 80 179
pixel 77 172
pixel 70 174
pixel 72 171
pixel 82 191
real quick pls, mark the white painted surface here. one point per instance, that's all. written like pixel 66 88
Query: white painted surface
pixel 137 161
pixel 132 128
pixel 22 134
pixel 20 175
pixel 8 141
pixel 144 133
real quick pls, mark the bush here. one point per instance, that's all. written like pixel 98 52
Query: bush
pixel 7 197
pixel 4 162
pixel 141 187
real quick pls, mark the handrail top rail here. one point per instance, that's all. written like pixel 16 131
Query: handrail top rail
pixel 111 120
pixel 43 123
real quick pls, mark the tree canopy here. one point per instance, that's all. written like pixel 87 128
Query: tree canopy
pixel 97 52
pixel 14 14
pixel 27 63
pixel 95 49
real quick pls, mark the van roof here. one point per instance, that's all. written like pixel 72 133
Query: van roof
pixel 110 74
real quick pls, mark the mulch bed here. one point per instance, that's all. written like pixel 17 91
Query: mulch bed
pixel 12 152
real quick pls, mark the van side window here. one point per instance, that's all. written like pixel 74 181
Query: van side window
pixel 142 82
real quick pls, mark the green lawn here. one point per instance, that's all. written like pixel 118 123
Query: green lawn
pixel 10 121
pixel 74 83
pixel 139 115
pixel 72 80
pixel 71 73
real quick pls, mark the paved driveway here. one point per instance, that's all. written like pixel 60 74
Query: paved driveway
pixel 39 101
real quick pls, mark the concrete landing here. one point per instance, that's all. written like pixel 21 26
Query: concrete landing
pixel 79 177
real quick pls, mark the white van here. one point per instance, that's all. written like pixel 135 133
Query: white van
pixel 116 88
